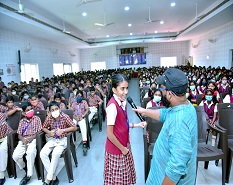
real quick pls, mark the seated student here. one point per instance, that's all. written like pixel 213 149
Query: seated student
pixel 94 102
pixel 72 98
pixel 80 108
pixel 2 97
pixel 36 104
pixel 29 126
pixel 14 92
pixel 49 92
pixel 56 126
pixel 229 97
pixel 80 87
pixel 57 98
pixel 223 87
pixel 4 131
pixel 24 97
pixel 58 91
pixel 98 90
pixel 10 107
pixel 156 99
pixel 40 95
pixel 193 92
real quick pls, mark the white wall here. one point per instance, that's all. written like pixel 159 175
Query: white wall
pixel 43 52
pixel 218 52
pixel 154 51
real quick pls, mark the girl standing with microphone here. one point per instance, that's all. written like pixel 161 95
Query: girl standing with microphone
pixel 119 165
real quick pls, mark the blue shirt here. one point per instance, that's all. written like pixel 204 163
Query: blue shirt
pixel 175 150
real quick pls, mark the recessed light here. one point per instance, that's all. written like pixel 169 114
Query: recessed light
pixel 129 25
pixel 161 22
pixel 156 31
pixel 84 14
pixel 173 4
pixel 107 35
pixel 131 33
pixel 126 8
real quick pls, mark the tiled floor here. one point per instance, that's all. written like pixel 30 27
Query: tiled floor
pixel 90 167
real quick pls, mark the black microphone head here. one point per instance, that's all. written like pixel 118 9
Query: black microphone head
pixel 129 99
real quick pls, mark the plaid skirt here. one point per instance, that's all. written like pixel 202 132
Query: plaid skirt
pixel 119 169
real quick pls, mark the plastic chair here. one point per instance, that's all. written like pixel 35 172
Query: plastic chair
pixel 18 104
pixel 207 152
pixel 225 112
pixel 45 103
pixel 13 120
pixel 16 98
pixel 12 143
pixel 145 101
pixel 42 114
pixel 198 98
pixel 66 154
pixel 150 136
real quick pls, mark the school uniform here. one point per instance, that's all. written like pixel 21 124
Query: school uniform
pixel 93 102
pixel 151 103
pixel 118 168
pixel 56 145
pixel 27 128
pixel 39 106
pixel 4 131
pixel 79 111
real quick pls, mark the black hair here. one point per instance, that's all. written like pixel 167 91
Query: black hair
pixel 81 85
pixel 79 92
pixel 53 103
pixel 58 90
pixel 57 95
pixel 9 98
pixel 96 82
pixel 46 86
pixel 117 79
pixel 25 105
pixel 34 95
pixel 75 88
pixel 92 88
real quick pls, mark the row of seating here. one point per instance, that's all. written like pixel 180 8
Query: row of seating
pixel 206 152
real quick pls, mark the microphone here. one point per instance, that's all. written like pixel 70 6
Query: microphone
pixel 130 101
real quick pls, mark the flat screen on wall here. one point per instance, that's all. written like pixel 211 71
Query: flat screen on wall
pixel 132 59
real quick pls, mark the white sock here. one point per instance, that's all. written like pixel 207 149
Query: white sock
pixel 213 140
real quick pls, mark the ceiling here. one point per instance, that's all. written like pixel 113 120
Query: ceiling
pixel 47 19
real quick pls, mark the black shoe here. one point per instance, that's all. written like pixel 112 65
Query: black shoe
pixel 84 148
pixel 55 182
pixel 25 180
pixel 2 181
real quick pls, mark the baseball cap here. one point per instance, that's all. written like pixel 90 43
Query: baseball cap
pixel 174 80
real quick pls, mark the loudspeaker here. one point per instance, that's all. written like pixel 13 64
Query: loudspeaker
pixel 19 60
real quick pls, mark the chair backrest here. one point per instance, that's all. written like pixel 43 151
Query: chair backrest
pixel 42 114
pixel 45 103
pixel 45 95
pixel 69 112
pixel 67 94
pixel 222 95
pixel 199 98
pixel 202 124
pixel 13 120
pixel 153 127
pixel 16 98
pixel 145 89
pixel 145 101
pixel 18 104
pixel 225 117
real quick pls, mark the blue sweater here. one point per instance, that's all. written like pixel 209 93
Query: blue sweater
pixel 175 150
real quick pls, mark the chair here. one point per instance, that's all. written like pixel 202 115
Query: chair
pixel 42 114
pixel 150 136
pixel 45 103
pixel 145 101
pixel 225 112
pixel 66 154
pixel 18 104
pixel 12 141
pixel 13 120
pixel 16 98
pixel 207 152
pixel 198 98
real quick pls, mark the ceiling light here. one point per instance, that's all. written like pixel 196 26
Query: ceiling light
pixel 107 35
pixel 131 33
pixel 156 31
pixel 129 25
pixel 161 22
pixel 126 8
pixel 84 14
pixel 173 4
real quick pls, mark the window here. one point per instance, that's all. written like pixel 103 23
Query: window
pixel 29 71
pixel 67 68
pixel 75 67
pixel 58 69
pixel 168 61
pixel 98 66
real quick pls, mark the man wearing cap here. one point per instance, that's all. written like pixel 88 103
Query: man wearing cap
pixel 175 150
